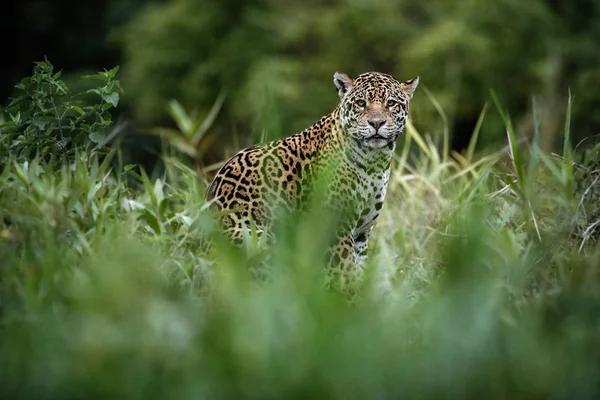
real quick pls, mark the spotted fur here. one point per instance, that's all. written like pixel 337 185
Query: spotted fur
pixel 357 140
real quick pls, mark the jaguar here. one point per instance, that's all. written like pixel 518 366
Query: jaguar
pixel 352 147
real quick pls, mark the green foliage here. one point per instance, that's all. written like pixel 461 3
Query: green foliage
pixel 49 121
pixel 191 129
pixel 277 59
pixel 117 289
pixel 212 52
pixel 119 284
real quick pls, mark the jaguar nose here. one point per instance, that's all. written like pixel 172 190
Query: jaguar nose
pixel 376 122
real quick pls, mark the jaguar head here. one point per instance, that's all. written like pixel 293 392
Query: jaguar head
pixel 374 107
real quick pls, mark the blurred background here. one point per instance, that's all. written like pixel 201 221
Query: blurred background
pixel 275 60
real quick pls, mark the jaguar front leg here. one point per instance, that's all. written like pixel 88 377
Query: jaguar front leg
pixel 361 246
pixel 343 272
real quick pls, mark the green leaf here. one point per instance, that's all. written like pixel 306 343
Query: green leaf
pixel 210 118
pixel 181 118
pixel 16 118
pixel 6 125
pixel 111 98
pixel 162 206
pixel 113 72
pixel 96 77
pixel 175 138
pixel 78 109
pixel 17 102
pixel 152 221
pixel 96 137
pixel 134 174
pixel 93 91
pixel 158 191
pixel 41 122
pixel 148 186
pixel 60 86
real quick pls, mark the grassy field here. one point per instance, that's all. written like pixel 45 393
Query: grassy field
pixel 483 282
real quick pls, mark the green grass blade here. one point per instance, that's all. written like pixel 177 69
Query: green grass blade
pixel 567 166
pixel 475 135
pixel 210 118
pixel 445 127
pixel 181 117
pixel 535 150
pixel 512 142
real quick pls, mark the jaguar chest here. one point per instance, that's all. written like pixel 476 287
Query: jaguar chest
pixel 371 194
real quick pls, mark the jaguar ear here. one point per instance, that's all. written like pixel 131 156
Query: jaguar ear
pixel 410 86
pixel 343 83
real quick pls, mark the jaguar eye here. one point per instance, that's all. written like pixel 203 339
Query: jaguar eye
pixel 391 103
pixel 361 103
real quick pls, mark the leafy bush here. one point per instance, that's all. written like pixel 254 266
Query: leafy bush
pixel 49 121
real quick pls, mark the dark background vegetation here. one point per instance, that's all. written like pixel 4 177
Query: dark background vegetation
pixel 276 58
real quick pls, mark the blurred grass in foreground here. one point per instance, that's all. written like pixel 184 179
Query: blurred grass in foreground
pixel 476 288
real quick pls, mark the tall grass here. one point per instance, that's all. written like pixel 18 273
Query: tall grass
pixel 475 288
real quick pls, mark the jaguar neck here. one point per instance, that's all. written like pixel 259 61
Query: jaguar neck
pixel 369 159
pixel 364 157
